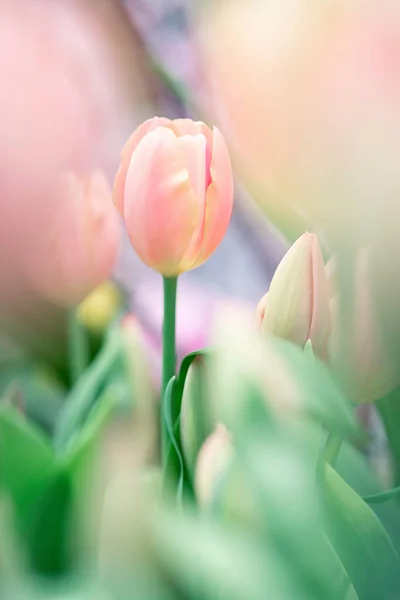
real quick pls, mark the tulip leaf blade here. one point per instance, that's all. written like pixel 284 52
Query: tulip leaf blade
pixel 196 423
pixel 360 539
pixel 174 469
pixel 321 396
pixel 27 463
pixel 88 389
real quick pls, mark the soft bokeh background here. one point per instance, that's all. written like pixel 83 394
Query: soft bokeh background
pixel 305 93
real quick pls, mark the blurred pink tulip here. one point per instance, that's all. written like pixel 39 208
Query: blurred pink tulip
pixel 75 81
pixel 357 350
pixel 296 307
pixel 308 93
pixel 175 191
pixel 78 251
pixel 212 462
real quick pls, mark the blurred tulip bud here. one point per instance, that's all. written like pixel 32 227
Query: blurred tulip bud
pixel 174 189
pixel 296 307
pixel 79 250
pixel 356 341
pixel 98 309
pixel 144 356
pixel 196 419
pixel 212 462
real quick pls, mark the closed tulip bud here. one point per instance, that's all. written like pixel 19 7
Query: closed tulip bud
pixel 78 251
pixel 100 307
pixel 174 189
pixel 296 307
pixel 212 462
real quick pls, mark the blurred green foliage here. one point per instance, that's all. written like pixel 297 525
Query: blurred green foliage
pixel 84 518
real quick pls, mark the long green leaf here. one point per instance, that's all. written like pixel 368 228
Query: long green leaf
pixel 175 466
pixel 83 396
pixel 27 463
pixel 360 540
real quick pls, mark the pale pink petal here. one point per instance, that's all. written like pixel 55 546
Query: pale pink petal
pixel 161 209
pixel 188 127
pixel 219 198
pixel 193 151
pixel 137 135
pixel 331 275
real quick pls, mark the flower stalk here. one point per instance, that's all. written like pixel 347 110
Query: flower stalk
pixel 169 353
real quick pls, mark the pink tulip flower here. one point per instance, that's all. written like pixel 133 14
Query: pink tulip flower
pixel 78 251
pixel 296 307
pixel 174 189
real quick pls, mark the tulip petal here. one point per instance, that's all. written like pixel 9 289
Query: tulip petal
pixel 219 198
pixel 131 144
pixel 321 317
pixel 161 209
pixel 212 462
pixel 193 149
pixel 331 275
pixel 288 307
pixel 188 127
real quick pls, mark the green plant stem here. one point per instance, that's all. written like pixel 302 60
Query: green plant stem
pixel 332 448
pixel 169 353
pixel 78 347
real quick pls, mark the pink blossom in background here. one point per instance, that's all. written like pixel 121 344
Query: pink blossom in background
pixel 196 311
pixel 72 89
pixel 78 250
pixel 308 93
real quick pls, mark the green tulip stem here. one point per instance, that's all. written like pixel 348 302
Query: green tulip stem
pixel 169 353
pixel 78 346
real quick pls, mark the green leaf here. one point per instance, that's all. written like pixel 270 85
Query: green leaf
pixel 41 393
pixel 278 461
pixel 181 379
pixel 353 467
pixel 83 451
pixel 209 561
pixel 174 470
pixel 197 420
pixel 27 463
pixel 87 390
pixel 322 396
pixel 360 540
pixel 389 410
pixel 48 535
